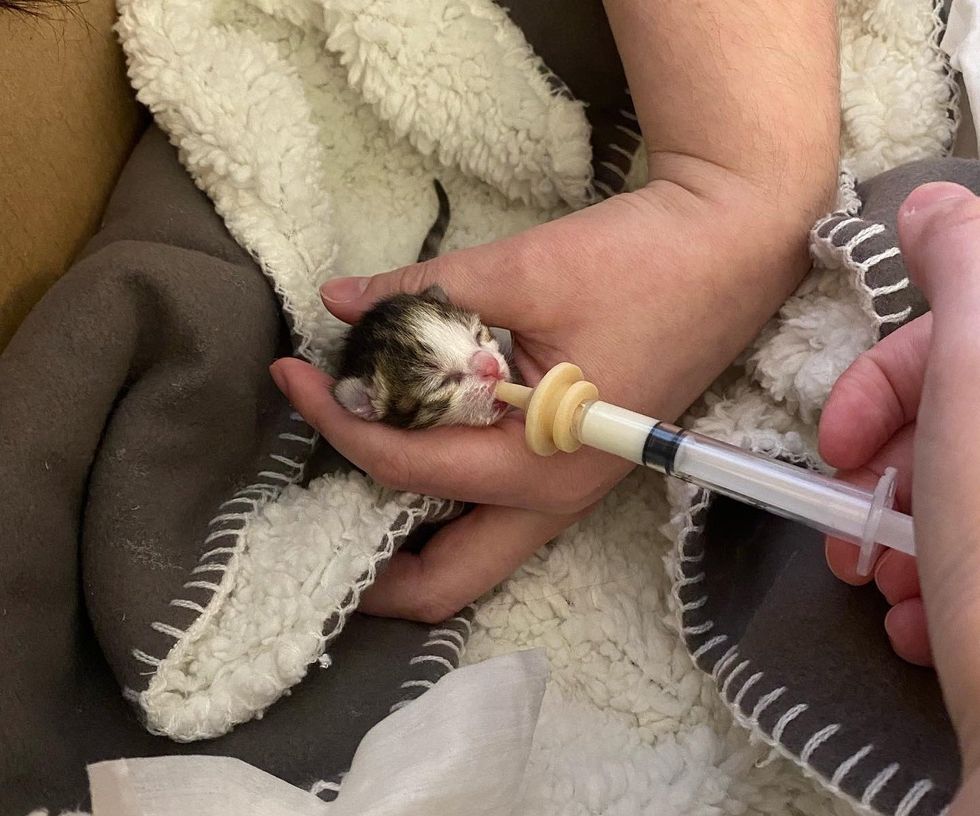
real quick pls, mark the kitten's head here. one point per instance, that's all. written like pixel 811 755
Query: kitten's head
pixel 415 361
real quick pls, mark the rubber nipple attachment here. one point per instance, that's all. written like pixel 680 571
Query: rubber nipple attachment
pixel 550 408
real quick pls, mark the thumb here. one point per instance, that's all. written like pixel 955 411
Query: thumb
pixel 939 232
pixel 939 226
pixel 486 279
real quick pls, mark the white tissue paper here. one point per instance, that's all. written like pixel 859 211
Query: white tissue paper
pixel 460 749
pixel 962 43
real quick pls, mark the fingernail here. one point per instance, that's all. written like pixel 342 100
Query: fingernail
pixel 923 199
pixel 344 290
pixel 280 378
pixel 882 560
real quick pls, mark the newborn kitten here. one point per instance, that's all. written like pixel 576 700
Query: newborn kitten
pixel 415 361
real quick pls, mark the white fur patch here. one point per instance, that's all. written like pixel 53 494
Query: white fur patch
pixel 453 342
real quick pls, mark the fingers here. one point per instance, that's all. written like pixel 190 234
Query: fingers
pixel 939 228
pixel 875 397
pixel 464 560
pixel 897 577
pixel 895 573
pixel 842 558
pixel 480 465
pixel 464 276
pixel 897 452
pixel 542 274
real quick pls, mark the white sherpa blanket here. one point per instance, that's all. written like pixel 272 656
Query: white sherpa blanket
pixel 314 126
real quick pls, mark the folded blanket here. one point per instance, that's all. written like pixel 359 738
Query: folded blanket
pixel 315 127
pixel 318 170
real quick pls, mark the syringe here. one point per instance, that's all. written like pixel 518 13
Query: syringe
pixel 563 412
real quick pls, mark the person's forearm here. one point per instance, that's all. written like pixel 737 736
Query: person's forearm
pixel 737 87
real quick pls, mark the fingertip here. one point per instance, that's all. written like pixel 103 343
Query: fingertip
pixel 859 417
pixel 842 558
pixel 287 370
pixel 897 577
pixel 926 197
pixel 939 233
pixel 391 595
pixel 905 625
pixel 279 377
pixel 283 372
pixel 347 311
pixel 349 298
pixel 307 388
pixel 340 291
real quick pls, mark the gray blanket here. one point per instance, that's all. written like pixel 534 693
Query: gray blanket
pixel 136 399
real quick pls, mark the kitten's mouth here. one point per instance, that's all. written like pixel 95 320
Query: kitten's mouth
pixel 484 407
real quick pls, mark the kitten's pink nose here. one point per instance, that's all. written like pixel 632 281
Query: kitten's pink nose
pixel 484 364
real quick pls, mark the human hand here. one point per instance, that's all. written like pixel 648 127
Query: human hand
pixel 868 425
pixel 913 402
pixel 632 290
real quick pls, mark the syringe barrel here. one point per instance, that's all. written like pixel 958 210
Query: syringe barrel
pixel 831 506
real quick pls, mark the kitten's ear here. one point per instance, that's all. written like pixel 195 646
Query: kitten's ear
pixel 355 394
pixel 436 293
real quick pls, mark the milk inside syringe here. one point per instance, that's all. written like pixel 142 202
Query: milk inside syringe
pixel 834 507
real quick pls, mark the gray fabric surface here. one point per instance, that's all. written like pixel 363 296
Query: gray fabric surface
pixel 136 399
pixel 190 329
pixel 882 195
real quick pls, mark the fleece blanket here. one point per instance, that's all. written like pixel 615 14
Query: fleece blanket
pixel 284 116
pixel 314 127
pixel 365 106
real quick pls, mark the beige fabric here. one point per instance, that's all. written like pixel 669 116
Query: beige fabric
pixel 68 122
